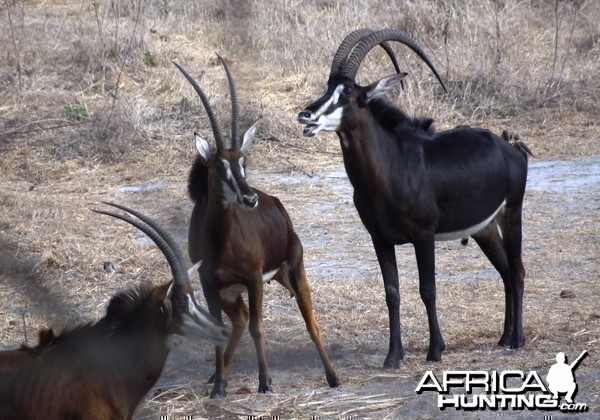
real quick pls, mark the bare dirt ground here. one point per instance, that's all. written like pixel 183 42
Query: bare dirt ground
pixel 561 224
pixel 91 109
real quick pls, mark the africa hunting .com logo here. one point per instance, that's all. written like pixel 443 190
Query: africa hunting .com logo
pixel 509 389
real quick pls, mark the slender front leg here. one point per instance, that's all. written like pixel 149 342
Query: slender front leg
pixel 425 253
pixel 386 256
pixel 237 312
pixel 255 299
pixel 213 300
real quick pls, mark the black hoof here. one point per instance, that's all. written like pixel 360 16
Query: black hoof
pixel 333 381
pixel 392 361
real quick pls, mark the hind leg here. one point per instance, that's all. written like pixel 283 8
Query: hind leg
pixel 512 234
pixel 299 284
pixel 492 245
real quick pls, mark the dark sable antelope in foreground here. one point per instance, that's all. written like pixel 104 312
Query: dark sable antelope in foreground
pixel 415 185
pixel 245 238
pixel 103 370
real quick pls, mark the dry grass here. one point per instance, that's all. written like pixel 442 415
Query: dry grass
pixel 521 64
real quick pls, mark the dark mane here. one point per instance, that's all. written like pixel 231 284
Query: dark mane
pixel 198 180
pixel 125 304
pixel 120 311
pixel 390 117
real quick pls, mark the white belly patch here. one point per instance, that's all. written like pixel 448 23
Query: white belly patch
pixel 268 276
pixel 231 293
pixel 465 233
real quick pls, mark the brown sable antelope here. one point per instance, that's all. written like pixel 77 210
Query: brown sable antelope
pixel 415 185
pixel 104 369
pixel 245 239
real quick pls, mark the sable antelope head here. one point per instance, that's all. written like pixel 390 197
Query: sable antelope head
pixel 338 109
pixel 229 164
pixel 177 303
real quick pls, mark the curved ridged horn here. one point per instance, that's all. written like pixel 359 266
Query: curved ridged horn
pixel 361 50
pixel 214 123
pixel 235 138
pixel 159 236
pixel 350 42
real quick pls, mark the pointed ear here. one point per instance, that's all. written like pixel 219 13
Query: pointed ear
pixel 249 136
pixel 194 269
pixel 380 88
pixel 202 147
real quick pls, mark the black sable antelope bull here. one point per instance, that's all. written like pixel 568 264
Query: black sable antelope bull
pixel 245 238
pixel 413 185
pixel 103 370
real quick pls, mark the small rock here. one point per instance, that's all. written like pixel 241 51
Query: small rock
pixel 109 267
pixel 567 294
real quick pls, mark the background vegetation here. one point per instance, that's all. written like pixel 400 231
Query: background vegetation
pixel 92 81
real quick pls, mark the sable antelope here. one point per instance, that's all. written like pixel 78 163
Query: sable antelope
pixel 245 238
pixel 103 370
pixel 415 185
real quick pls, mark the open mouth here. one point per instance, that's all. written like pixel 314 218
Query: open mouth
pixel 310 123
pixel 310 130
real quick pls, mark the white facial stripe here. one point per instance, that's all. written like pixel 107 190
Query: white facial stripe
pixel 227 167
pixel 465 233
pixel 231 190
pixel 194 317
pixel 241 163
pixel 197 324
pixel 230 195
pixel 332 101
pixel 336 94
pixel 333 120
pixel 192 308
pixel 189 317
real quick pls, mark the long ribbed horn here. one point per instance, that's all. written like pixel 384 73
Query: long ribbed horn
pixel 361 50
pixel 160 237
pixel 214 123
pixel 350 42
pixel 235 138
